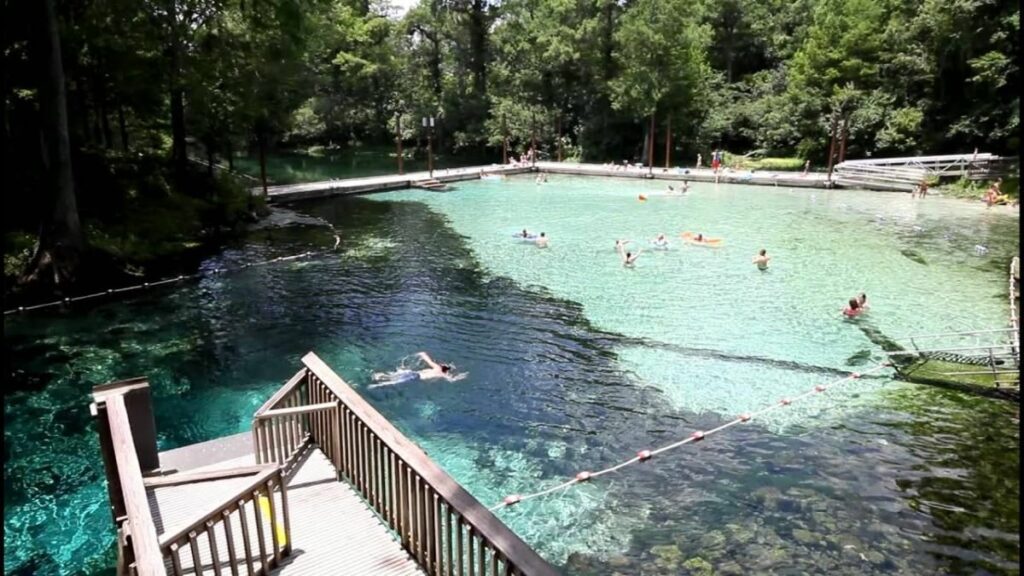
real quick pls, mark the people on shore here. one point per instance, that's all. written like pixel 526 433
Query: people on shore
pixel 994 194
pixel 700 161
pixel 807 167
pixel 762 259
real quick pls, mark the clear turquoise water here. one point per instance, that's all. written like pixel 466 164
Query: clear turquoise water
pixel 576 363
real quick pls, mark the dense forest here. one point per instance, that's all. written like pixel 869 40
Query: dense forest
pixel 116 110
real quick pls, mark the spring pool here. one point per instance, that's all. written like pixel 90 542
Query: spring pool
pixel 575 363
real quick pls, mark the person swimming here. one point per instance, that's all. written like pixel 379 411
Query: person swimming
pixel 628 258
pixel 762 259
pixel 433 371
pixel 853 308
pixel 660 242
pixel 862 300
pixel 542 241
pixel 699 238
pixel 620 245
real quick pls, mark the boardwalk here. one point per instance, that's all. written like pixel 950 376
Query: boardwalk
pixel 293 192
pixel 323 484
pixel 333 529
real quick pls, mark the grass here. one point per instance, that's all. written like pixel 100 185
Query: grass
pixel 975 189
pixel 943 372
pixel 781 164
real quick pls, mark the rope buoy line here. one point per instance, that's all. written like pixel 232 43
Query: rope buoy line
pixel 112 291
pixel 645 455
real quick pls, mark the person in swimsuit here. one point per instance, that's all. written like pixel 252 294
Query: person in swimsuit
pixel 661 242
pixel 433 371
pixel 628 258
pixel 699 238
pixel 853 309
pixel 862 300
pixel 542 241
pixel 762 259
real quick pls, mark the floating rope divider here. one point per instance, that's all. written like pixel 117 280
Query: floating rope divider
pixel 644 455
pixel 144 285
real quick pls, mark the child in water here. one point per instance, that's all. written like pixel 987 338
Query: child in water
pixel 853 309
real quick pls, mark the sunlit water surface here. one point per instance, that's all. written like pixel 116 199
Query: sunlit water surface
pixel 576 363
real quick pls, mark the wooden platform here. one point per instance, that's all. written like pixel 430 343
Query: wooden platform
pixel 333 530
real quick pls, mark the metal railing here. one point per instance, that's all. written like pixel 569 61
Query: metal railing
pixel 1014 311
pixel 445 529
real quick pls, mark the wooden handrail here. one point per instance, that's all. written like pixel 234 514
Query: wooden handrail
pixel 242 494
pixel 297 410
pixel 289 386
pixel 515 553
pixel 145 544
pixel 190 477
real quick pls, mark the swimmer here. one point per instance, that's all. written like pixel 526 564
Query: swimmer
pixel 542 241
pixel 433 371
pixel 862 300
pixel 853 309
pixel 660 242
pixel 685 187
pixel 524 234
pixel 762 259
pixel 620 245
pixel 628 258
pixel 699 238
pixel 670 190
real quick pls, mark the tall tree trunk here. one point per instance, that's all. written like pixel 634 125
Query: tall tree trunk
pixel 262 139
pixel 122 126
pixel 179 154
pixel 478 45
pixel 60 243
pixel 668 143
pixel 832 144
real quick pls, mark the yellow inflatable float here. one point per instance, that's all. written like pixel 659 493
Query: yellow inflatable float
pixel 691 238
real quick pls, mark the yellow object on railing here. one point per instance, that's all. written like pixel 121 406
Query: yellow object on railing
pixel 279 532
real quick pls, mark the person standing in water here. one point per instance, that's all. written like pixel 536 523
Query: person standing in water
pixel 762 259
pixel 542 241
pixel 628 258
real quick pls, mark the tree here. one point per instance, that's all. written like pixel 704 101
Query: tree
pixel 60 242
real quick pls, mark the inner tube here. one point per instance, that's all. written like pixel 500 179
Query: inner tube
pixel 528 238
pixel 663 245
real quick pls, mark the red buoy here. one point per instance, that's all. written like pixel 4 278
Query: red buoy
pixel 786 402
pixel 855 375
pixel 744 417
pixel 819 388
pixel 583 476
pixel 644 455
pixel 513 499
pixel 697 436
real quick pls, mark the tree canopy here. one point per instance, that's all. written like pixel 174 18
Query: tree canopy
pixel 170 82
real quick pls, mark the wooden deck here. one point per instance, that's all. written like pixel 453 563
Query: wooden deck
pixel 333 530
pixel 294 192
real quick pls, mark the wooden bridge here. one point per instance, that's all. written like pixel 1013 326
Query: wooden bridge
pixel 323 484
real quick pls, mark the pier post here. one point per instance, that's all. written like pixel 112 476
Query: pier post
pixel 398 141
pixel 842 142
pixel 504 142
pixel 668 142
pixel 832 144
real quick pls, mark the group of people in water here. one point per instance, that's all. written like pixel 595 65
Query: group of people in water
pixel 857 306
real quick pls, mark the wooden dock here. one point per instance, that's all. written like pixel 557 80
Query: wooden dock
pixel 348 186
pixel 323 484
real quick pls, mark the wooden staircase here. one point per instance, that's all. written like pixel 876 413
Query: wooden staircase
pixel 431 184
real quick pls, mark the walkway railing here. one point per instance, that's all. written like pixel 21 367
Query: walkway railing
pixel 233 535
pixel 213 535
pixel 444 528
pixel 1014 310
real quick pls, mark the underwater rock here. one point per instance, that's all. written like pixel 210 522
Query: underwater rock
pixel 804 537
pixel 914 255
pixel 667 556
pixel 739 533
pixel 698 567
pixel 713 541
pixel 767 496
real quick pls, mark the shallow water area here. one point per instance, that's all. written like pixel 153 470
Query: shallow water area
pixel 575 363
